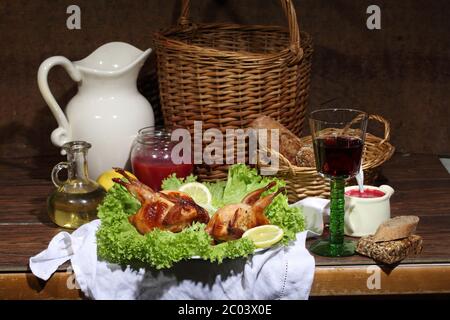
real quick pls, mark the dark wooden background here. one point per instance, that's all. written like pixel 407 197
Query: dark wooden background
pixel 401 72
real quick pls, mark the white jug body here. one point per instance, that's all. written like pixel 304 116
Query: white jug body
pixel 108 110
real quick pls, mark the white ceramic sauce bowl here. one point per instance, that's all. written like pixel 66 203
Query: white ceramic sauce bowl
pixel 363 216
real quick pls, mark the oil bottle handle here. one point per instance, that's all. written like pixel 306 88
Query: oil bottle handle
pixel 55 173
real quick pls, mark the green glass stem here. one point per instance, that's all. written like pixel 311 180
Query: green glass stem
pixel 337 212
pixel 335 245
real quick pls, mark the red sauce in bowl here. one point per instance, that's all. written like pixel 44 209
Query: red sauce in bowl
pixel 368 193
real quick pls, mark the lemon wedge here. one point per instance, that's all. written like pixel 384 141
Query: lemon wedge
pixel 105 179
pixel 199 192
pixel 264 236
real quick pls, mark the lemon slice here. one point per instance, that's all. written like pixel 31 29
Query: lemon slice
pixel 199 192
pixel 264 236
pixel 105 179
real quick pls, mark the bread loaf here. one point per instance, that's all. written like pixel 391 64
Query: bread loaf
pixel 396 228
pixel 305 157
pixel 389 252
pixel 290 144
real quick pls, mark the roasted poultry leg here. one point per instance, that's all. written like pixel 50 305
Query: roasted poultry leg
pixel 166 210
pixel 231 221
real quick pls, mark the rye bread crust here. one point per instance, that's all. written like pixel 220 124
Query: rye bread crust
pixel 396 228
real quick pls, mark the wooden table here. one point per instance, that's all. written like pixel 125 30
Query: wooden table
pixel 422 188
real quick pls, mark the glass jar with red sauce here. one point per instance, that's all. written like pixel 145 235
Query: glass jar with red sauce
pixel 151 158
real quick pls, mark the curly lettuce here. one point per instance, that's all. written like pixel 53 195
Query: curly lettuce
pixel 242 180
pixel 290 219
pixel 174 183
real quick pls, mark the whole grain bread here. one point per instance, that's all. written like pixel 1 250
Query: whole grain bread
pixel 389 252
pixel 305 157
pixel 290 144
pixel 396 228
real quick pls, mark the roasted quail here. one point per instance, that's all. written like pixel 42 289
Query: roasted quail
pixel 166 210
pixel 231 221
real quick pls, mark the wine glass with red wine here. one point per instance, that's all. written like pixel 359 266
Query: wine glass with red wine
pixel 338 138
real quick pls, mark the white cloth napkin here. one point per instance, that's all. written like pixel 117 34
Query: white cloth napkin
pixel 284 272
pixel 316 212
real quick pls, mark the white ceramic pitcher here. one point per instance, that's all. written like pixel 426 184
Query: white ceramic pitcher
pixel 108 110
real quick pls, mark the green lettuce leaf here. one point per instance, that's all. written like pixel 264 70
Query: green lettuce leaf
pixel 231 249
pixel 242 180
pixel 290 219
pixel 216 189
pixel 174 183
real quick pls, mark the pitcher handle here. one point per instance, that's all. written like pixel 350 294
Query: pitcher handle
pixel 62 134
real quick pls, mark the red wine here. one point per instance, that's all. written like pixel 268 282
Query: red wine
pixel 338 157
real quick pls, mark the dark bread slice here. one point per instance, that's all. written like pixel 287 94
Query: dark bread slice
pixel 396 228
pixel 389 252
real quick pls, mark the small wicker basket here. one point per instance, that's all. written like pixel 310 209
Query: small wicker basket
pixel 305 182
pixel 226 75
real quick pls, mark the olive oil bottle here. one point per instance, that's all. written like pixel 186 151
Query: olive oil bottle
pixel 75 201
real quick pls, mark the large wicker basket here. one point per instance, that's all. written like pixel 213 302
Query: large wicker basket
pixel 302 182
pixel 226 75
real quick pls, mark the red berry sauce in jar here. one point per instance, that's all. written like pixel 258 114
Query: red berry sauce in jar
pixel 367 193
pixel 151 158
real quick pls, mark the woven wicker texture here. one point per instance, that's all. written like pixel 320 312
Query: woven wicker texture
pixel 305 182
pixel 226 75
